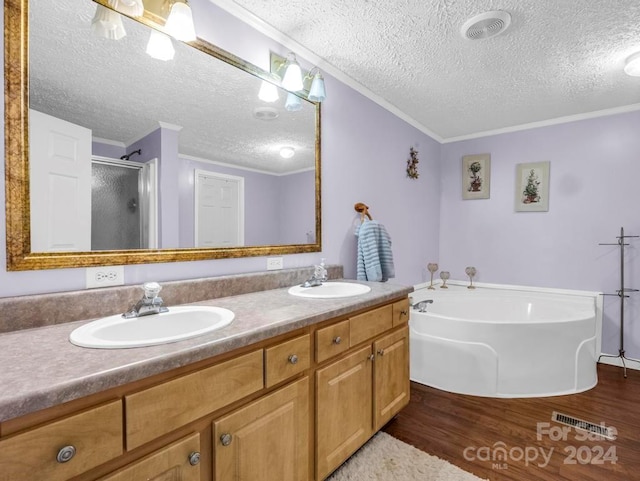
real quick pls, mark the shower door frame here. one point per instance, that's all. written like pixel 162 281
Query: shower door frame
pixel 147 196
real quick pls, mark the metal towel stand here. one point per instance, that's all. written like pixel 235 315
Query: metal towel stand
pixel 621 294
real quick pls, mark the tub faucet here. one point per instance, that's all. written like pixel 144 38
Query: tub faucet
pixel 422 305
pixel 150 303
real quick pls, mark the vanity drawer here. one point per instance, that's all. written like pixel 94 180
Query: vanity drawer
pixel 400 312
pixel 332 340
pixel 287 359
pixel 370 324
pixel 152 412
pixel 95 435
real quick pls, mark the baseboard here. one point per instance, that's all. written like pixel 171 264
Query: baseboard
pixel 616 361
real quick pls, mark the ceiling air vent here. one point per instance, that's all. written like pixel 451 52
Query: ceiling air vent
pixel 265 113
pixel 486 25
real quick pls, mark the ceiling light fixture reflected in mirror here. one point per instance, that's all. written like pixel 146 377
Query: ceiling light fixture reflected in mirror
pixel 107 24
pixel 287 152
pixel 180 22
pixel 160 46
pixel 268 92
pixel 632 65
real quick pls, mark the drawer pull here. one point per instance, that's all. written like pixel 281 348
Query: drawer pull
pixel 66 454
pixel 337 340
pixel 380 352
pixel 293 359
pixel 226 439
pixel 194 458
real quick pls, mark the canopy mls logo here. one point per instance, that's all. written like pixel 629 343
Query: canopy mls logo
pixel 571 430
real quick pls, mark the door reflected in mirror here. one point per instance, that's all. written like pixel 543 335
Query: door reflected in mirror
pixel 169 125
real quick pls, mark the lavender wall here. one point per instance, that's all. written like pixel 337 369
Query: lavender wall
pixel 594 183
pixel 297 224
pixel 364 152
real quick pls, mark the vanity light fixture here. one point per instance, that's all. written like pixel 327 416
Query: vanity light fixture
pixel 160 46
pixel 133 8
pixel 293 103
pixel 107 24
pixel 268 92
pixel 292 79
pixel 312 80
pixel 317 92
pixel 632 65
pixel 180 22
pixel 287 152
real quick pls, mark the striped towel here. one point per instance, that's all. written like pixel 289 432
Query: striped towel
pixel 375 259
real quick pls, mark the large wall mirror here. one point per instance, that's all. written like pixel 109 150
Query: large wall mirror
pixel 117 157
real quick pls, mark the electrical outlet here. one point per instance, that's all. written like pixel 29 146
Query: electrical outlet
pixel 274 263
pixel 104 276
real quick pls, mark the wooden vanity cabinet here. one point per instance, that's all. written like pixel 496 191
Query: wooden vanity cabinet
pixel 289 408
pixel 180 461
pixel 268 440
pixel 361 391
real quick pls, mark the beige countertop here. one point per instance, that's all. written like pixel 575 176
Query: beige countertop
pixel 40 368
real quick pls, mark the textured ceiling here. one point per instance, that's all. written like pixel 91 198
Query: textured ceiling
pixel 114 88
pixel 558 58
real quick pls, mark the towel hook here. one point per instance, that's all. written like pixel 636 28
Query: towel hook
pixel 363 210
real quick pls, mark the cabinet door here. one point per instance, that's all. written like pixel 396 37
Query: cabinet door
pixel 391 384
pixel 179 461
pixel 343 410
pixel 266 440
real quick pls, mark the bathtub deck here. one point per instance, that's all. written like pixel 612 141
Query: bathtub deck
pixel 444 424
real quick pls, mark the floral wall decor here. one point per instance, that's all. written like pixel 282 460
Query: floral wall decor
pixel 412 164
pixel 532 187
pixel 476 176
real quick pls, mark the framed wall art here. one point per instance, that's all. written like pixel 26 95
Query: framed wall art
pixel 532 187
pixel 476 176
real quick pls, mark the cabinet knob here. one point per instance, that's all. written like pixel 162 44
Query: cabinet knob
pixel 226 439
pixel 194 458
pixel 66 454
pixel 403 313
pixel 372 357
pixel 380 352
pixel 293 359
pixel 337 340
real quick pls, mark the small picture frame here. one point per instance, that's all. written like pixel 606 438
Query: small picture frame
pixel 476 176
pixel 532 187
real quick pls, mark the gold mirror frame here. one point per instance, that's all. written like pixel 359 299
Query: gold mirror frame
pixel 17 206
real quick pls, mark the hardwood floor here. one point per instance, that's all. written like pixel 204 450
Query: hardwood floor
pixel 465 430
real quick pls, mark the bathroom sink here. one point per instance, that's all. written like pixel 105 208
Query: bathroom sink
pixel 330 290
pixel 180 322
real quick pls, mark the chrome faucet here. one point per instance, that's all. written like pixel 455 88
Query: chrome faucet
pixel 422 305
pixel 319 276
pixel 150 303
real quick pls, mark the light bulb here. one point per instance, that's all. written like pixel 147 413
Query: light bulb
pixel 268 92
pixel 160 46
pixel 180 23
pixel 317 92
pixel 292 79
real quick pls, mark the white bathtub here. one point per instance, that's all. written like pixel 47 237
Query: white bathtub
pixel 505 341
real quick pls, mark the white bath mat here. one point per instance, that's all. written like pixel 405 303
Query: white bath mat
pixel 385 458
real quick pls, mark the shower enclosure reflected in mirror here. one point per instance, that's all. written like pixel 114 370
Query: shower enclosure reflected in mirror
pixel 198 112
